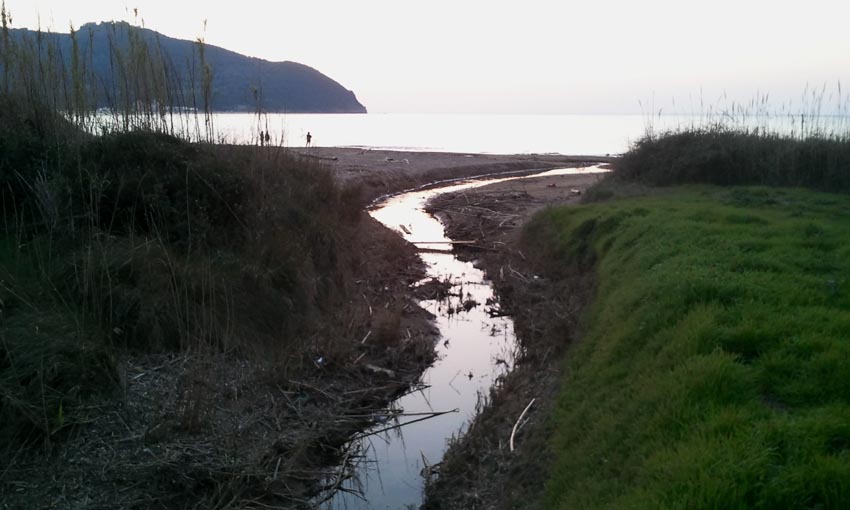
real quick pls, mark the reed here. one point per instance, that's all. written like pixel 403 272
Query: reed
pixel 751 144
pixel 123 234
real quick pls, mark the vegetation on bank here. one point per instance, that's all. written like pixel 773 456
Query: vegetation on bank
pixel 135 240
pixel 714 365
pixel 734 155
pixel 194 304
pixel 141 242
pixel 120 236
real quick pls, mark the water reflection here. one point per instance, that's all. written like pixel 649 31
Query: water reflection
pixel 474 350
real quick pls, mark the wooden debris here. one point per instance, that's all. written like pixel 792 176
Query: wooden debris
pixel 379 370
pixel 516 425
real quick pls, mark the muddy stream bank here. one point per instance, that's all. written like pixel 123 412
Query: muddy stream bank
pixel 476 350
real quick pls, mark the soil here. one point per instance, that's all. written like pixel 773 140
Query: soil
pixel 479 470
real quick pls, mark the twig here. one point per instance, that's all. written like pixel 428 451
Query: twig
pixel 385 429
pixel 368 304
pixel 516 425
pixel 377 369
pixel 314 388
pixel 339 480
pixel 518 274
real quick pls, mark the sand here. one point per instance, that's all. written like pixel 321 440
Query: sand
pixel 380 171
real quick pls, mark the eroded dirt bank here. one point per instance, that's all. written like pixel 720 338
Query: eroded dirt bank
pixel 480 470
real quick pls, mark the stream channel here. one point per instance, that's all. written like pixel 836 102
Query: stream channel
pixel 473 351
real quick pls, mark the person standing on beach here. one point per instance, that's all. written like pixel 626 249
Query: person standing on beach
pixel 309 138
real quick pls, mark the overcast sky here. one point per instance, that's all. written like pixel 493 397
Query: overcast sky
pixel 534 56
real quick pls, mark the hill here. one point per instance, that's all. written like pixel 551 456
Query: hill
pixel 109 51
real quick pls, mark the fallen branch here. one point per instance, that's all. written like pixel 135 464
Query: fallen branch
pixel 443 242
pixel 516 425
pixel 385 429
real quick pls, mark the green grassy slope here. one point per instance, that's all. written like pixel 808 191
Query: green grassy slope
pixel 714 371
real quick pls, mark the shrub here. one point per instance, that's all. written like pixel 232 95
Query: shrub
pixel 725 156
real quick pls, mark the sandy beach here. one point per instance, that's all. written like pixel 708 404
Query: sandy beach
pixel 380 171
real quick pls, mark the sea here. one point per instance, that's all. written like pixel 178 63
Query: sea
pixel 482 134
pixel 596 135
pixel 588 135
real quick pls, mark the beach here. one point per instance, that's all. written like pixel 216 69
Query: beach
pixel 380 172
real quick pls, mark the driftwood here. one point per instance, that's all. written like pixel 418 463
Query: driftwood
pixel 516 425
pixel 494 312
pixel 444 242
pixel 326 158
pixel 379 370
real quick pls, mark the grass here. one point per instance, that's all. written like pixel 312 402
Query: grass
pixel 714 371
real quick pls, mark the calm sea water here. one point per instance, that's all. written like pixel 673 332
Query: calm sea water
pixel 595 135
pixel 491 134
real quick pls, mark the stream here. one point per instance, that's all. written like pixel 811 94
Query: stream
pixel 474 350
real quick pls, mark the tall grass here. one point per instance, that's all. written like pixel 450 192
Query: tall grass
pixel 718 155
pixel 145 88
pixel 751 144
pixel 123 237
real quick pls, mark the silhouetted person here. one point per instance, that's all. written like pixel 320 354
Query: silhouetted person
pixel 262 137
pixel 268 138
pixel 309 138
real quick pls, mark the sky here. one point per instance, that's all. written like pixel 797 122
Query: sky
pixel 531 57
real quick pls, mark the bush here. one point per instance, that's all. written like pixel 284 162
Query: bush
pixel 728 157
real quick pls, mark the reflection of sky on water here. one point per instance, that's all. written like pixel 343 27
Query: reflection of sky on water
pixel 473 351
